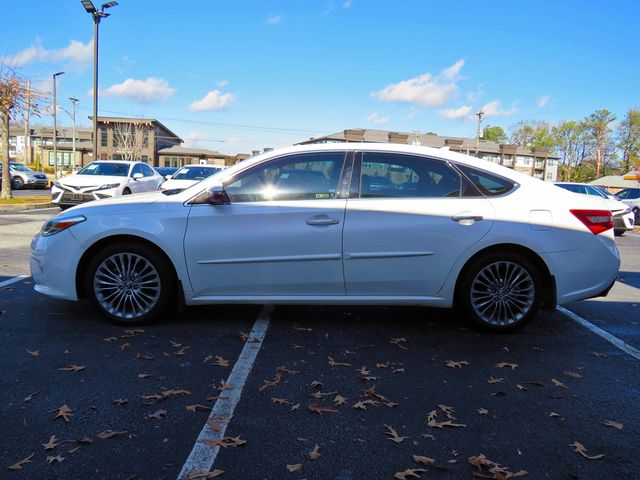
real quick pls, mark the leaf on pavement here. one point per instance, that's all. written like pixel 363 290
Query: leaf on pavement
pixel 319 409
pixel 64 412
pixel 315 453
pixel 400 342
pixel 198 475
pixel 196 407
pixel 225 442
pixel 420 460
pixel 280 401
pixel 142 356
pixel 21 463
pixel 483 411
pixel 287 370
pixel 28 398
pixel 110 434
pixel 120 402
pixel 521 387
pixel 490 469
pixel 334 363
pixel 57 458
pixel 558 383
pixel 362 404
pixel 432 421
pixel 612 424
pixel 145 375
pixel 110 339
pixel 393 435
pixel 72 368
pixel 294 468
pixel 579 448
pixel 221 362
pixel 244 336
pixel 553 414
pixel 316 384
pixel 271 383
pixel 51 444
pixel 157 415
pixel 453 364
pixel 492 380
pixel 125 346
pixel 409 473
pixel 398 370
pixel 295 407
pixel 340 400
pixel 571 374
pixel 34 353
pixel 512 366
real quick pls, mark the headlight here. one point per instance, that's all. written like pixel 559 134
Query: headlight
pixel 628 210
pixel 108 186
pixel 59 224
pixel 57 184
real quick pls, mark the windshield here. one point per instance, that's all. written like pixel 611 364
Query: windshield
pixel 194 172
pixel 103 168
pixel 20 168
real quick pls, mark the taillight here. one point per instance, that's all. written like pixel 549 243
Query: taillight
pixel 597 221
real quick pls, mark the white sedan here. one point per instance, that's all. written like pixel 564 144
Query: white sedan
pixel 105 179
pixel 317 225
pixel 189 175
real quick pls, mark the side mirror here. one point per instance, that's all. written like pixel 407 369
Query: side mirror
pixel 167 177
pixel 137 176
pixel 218 196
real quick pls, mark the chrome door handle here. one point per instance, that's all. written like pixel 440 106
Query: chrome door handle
pixel 315 222
pixel 460 218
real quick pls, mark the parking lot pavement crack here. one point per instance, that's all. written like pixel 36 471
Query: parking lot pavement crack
pixel 207 445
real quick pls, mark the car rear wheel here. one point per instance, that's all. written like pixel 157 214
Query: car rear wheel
pixel 501 291
pixel 130 284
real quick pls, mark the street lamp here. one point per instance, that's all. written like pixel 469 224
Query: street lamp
pixel 55 130
pixel 72 115
pixel 97 16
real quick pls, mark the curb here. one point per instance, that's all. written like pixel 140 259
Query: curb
pixel 25 206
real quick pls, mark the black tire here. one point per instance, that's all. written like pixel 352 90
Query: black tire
pixel 17 183
pixel 619 233
pixel 126 191
pixel 636 213
pixel 165 284
pixel 487 300
pixel 64 207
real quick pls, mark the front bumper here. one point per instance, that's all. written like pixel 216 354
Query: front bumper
pixel 53 265
pixel 623 222
pixel 68 197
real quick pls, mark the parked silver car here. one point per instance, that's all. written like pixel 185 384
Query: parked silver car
pixel 23 177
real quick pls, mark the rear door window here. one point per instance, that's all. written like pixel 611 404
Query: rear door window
pixel 488 184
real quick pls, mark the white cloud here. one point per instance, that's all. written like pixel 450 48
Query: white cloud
pixel 426 90
pixel 76 51
pixel 492 109
pixel 273 20
pixel 194 138
pixel 214 100
pixel 223 83
pixel 151 90
pixel 456 113
pixel 377 119
pixel 347 4
pixel 128 59
pixel 543 101
pixel 234 140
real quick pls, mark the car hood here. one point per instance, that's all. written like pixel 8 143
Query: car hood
pixel 121 205
pixel 173 183
pixel 91 180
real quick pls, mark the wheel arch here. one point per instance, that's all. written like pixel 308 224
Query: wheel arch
pixel 106 241
pixel 549 282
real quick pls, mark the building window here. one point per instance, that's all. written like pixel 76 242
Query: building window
pixel 549 175
pixel 103 137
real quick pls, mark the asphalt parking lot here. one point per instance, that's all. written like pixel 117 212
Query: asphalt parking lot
pixel 381 392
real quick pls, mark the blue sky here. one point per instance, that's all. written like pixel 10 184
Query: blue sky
pixel 233 76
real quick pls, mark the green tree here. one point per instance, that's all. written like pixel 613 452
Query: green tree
pixel 533 135
pixel 572 146
pixel 599 129
pixel 628 140
pixel 494 134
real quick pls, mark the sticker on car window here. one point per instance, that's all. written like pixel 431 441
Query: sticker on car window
pixel 322 195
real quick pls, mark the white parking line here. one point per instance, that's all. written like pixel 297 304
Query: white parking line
pixel 13 280
pixel 202 456
pixel 625 347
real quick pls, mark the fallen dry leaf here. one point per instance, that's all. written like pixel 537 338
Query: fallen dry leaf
pixel 142 356
pixel 244 336
pixel 28 398
pixel 493 470
pixel 319 409
pixel 221 362
pixel 225 442
pixel 294 468
pixel 57 458
pixel 316 384
pixel 599 355
pixel 110 339
pixel 73 450
pixel 295 407
pixel 125 346
pixel 157 415
pixel 72 368
pixel 196 407
pixel 362 404
pixel 110 434
pixel 280 401
pixel 400 342
pixel 558 383
pixel 492 380
pixel 340 400
pixel 579 448
pixel 64 412
pixel 21 463
pixel 460 364
pixel 271 383
pixel 334 363
pixel 521 387
pixel 51 444
pixel 315 453
pixel 287 370
pixel 398 370
pixel 120 402
pixel 571 374
pixel 423 460
pixel 393 435
pixel 302 439
pixel 145 375
pixel 33 353
pixel 612 424
pixel 482 411
pixel 197 475
pixel 553 414
pixel 433 422
pixel 512 366
pixel 409 473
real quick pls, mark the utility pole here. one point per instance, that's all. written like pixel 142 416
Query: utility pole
pixel 480 114
pixel 55 130
pixel 27 132
pixel 74 109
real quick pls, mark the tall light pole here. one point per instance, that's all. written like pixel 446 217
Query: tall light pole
pixel 55 130
pixel 480 114
pixel 72 114
pixel 97 16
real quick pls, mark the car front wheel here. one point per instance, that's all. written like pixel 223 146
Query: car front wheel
pixel 501 291
pixel 130 284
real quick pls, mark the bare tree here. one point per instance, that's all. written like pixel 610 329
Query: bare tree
pixel 14 98
pixel 599 129
pixel 130 139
